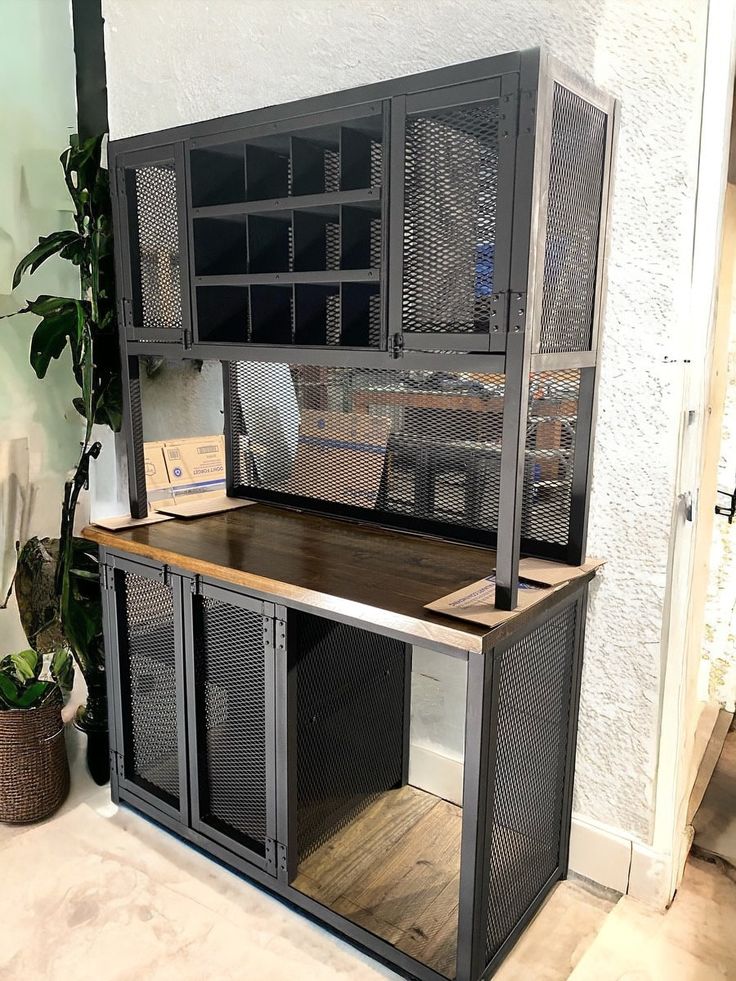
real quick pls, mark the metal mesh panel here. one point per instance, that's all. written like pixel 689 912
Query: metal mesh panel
pixel 535 681
pixel 159 284
pixel 451 166
pixel 550 455
pixel 149 679
pixel 573 223
pixel 231 741
pixel 410 447
pixel 350 723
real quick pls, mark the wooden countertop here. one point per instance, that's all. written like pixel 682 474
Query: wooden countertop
pixel 371 575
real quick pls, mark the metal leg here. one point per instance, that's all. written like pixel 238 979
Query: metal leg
pixel 133 426
pixel 480 732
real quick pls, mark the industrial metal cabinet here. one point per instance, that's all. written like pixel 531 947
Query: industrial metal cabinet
pixel 404 284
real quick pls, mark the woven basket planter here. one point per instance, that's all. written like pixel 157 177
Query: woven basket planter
pixel 34 771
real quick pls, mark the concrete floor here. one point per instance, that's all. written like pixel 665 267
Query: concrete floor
pixel 99 893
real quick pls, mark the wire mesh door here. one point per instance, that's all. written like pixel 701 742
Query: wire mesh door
pixel 152 260
pixel 449 214
pixel 149 682
pixel 230 670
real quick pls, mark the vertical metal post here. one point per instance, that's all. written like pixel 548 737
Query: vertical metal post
pixel 227 408
pixel 481 711
pixel 109 631
pixel 286 762
pixel 190 675
pixel 523 304
pixel 133 427
pixel 572 727
pixel 182 597
pixel 395 265
pixel 407 715
pixel 582 466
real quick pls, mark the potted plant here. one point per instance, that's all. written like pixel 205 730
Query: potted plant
pixel 88 328
pixel 34 771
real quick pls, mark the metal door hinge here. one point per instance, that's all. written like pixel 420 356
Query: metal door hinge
pixel 499 312
pixel 196 584
pixel 271 855
pixel 127 313
pixel 165 575
pixel 282 856
pixel 107 576
pixel 517 312
pixel 397 345
pixel 280 636
pixel 268 638
pixel 116 764
pixel 527 113
pixel 187 338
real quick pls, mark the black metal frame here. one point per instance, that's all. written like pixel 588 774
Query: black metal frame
pixel 523 82
pixel 279 868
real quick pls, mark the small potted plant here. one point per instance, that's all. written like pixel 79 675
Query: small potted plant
pixel 34 770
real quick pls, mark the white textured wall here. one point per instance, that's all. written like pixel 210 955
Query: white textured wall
pixel 176 61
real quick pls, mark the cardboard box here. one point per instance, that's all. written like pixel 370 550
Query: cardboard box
pixel 537 577
pixel 197 463
pixel 340 457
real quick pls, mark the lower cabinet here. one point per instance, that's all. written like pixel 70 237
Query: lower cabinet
pixel 283 749
pixel 191 682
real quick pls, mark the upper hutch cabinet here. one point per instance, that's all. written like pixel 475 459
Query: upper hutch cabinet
pixel 433 215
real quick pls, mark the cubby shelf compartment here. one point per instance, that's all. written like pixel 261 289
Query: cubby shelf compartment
pixel 319 238
pixel 304 314
pixel 310 160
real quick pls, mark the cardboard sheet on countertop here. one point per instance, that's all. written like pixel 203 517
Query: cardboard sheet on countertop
pixel 200 505
pixel 475 603
pixel 123 521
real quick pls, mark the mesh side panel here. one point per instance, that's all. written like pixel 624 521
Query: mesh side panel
pixel 159 287
pixel 149 677
pixel 451 161
pixel 376 163
pixel 409 447
pixel 527 792
pixel 230 690
pixel 550 455
pixel 350 721
pixel 573 223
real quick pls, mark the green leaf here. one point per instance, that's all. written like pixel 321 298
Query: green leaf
pixel 8 692
pixel 47 246
pixel 34 694
pixel 60 323
pixel 62 669
pixel 26 664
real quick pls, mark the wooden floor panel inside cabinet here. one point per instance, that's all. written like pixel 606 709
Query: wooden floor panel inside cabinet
pixel 394 870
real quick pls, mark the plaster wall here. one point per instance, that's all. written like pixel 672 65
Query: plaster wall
pixel 37 115
pixel 176 61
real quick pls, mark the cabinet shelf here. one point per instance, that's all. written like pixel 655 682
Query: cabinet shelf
pixel 365 195
pixel 287 278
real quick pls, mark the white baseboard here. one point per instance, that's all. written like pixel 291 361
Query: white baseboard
pixel 437 774
pixel 597 852
pixel 611 859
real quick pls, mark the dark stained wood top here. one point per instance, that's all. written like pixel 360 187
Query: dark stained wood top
pixel 364 573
